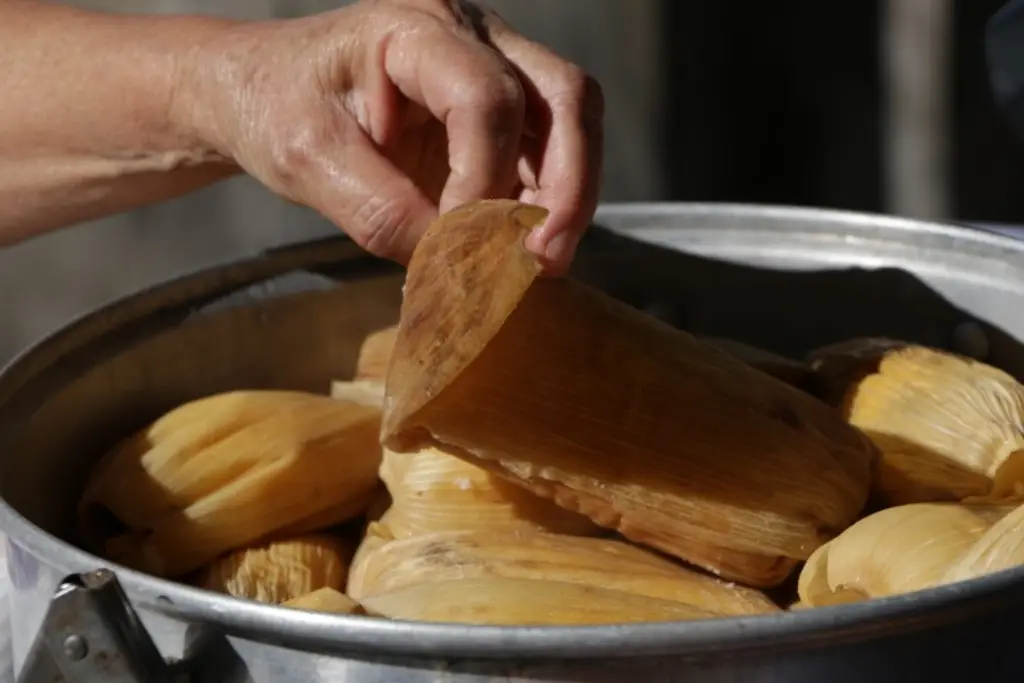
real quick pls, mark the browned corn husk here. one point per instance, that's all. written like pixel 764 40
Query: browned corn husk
pixel 899 550
pixel 223 472
pixel 375 354
pixel 607 411
pixel 377 348
pixel 433 491
pixel 324 600
pixel 948 427
pixel 280 571
pixel 521 602
pixel 602 563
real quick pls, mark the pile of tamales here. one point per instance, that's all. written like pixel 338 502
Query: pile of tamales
pixel 524 450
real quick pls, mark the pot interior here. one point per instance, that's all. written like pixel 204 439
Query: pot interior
pixel 65 402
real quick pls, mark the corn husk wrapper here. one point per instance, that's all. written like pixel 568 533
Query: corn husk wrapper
pixel 227 471
pixel 590 403
pixel 898 550
pixel 324 600
pixel 280 571
pixel 1000 547
pixel 601 563
pixel 948 427
pixel 434 491
pixel 375 354
pixel 522 602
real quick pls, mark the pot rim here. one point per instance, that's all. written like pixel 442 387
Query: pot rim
pixel 375 637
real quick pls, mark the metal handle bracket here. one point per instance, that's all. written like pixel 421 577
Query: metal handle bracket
pixel 91 634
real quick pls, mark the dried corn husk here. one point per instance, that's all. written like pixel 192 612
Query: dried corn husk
pixel 522 602
pixel 376 350
pixel 279 571
pixel 897 550
pixel 324 600
pixel 1000 547
pixel 948 427
pixel 601 563
pixel 223 472
pixel 433 491
pixel 590 403
pixel 375 354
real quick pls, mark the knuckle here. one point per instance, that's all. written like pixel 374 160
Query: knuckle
pixel 502 92
pixel 381 223
pixel 580 90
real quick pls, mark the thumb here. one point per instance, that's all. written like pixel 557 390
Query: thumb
pixel 372 200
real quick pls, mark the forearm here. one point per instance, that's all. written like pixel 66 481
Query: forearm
pixel 91 118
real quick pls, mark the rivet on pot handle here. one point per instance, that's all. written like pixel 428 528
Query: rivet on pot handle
pixel 91 634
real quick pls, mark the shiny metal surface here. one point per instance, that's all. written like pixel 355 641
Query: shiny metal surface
pixel 786 279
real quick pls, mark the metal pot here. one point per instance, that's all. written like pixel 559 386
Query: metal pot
pixel 784 279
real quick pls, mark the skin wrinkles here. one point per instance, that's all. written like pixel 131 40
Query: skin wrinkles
pixel 378 115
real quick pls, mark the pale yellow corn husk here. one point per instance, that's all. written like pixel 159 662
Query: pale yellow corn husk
pixel 350 509
pixel 375 354
pixel 433 491
pixel 223 472
pixel 280 571
pixel 522 602
pixel 324 600
pixel 946 425
pixel 1000 547
pixel 898 550
pixel 368 392
pixel 588 402
pixel 601 563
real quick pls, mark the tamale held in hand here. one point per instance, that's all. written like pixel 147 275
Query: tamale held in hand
pixel 586 401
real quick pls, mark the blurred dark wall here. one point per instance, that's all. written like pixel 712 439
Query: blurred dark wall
pixel 781 103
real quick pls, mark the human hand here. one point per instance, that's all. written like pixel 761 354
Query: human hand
pixel 385 112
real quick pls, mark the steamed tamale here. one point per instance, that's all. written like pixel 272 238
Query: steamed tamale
pixel 948 427
pixel 520 602
pixel 393 565
pixel 280 571
pixel 226 471
pixel 898 550
pixel 588 402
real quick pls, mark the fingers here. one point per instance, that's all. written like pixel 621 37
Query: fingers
pixel 474 92
pixel 570 107
pixel 374 202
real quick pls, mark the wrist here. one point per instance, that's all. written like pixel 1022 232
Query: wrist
pixel 195 88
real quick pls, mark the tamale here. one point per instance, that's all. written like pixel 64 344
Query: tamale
pixel 280 571
pixel 520 602
pixel 898 550
pixel 948 427
pixel 609 412
pixel 226 471
pixel 601 563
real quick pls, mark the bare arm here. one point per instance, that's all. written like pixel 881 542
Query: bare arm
pixel 88 115
pixel 378 115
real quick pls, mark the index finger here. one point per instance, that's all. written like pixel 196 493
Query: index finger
pixel 471 89
pixel 569 177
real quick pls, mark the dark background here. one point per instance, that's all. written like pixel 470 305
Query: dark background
pixel 781 102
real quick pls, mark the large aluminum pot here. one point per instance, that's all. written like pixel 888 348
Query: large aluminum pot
pixel 786 279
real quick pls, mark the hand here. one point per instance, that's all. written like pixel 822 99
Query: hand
pixel 382 113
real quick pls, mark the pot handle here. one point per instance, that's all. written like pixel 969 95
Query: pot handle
pixel 91 634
